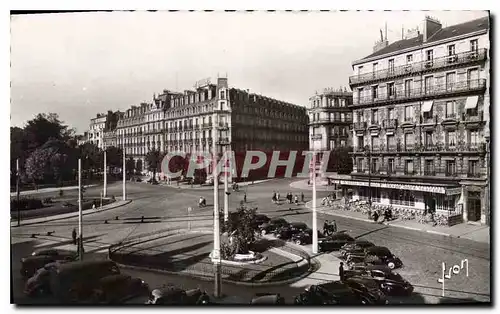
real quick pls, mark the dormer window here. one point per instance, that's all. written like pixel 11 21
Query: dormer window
pixel 222 95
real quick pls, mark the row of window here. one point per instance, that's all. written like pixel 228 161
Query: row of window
pixel 450 166
pixel 431 84
pixel 429 56
pixel 333 116
pixel 331 102
pixel 429 139
pixel 450 111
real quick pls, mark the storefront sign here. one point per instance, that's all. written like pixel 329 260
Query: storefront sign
pixel 422 188
pixel 454 191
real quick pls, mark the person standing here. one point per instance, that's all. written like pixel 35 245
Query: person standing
pixel 245 197
pixel 296 200
pixel 341 271
pixel 73 236
pixel 278 196
pixel 302 197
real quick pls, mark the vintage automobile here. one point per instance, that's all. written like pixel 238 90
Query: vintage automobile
pixel 367 290
pixel 356 247
pixel 261 219
pixel 115 289
pixel 287 232
pixel 391 283
pixel 30 264
pixel 39 283
pixel 334 241
pixel 267 299
pixel 273 225
pixel 381 254
pixel 334 292
pixel 168 295
pixel 303 237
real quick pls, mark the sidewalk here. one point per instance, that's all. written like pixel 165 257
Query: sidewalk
pixel 467 231
pixel 209 187
pixel 302 185
pixel 33 221
pixel 48 190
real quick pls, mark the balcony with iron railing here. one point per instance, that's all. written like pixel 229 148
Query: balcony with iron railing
pixel 359 125
pixel 474 174
pixel 316 136
pixel 422 93
pixel 390 123
pixel 223 141
pixel 467 118
pixel 418 67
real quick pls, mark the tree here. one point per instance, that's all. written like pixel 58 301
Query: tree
pixel 241 227
pixel 138 166
pixel 18 150
pixel 178 163
pixel 114 157
pixel 340 161
pixel 153 161
pixel 44 127
pixel 38 165
pixel 130 165
pixel 92 157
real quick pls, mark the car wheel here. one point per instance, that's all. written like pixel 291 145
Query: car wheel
pixel 391 265
pixel 298 242
pixel 263 232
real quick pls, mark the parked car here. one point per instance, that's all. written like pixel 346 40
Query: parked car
pixel 76 281
pixel 53 252
pixel 356 247
pixel 168 295
pixel 382 255
pixel 273 225
pixel 367 290
pixel 287 232
pixel 30 264
pixel 117 288
pixel 334 292
pixel 233 300
pixel 268 299
pixel 39 283
pixel 261 219
pixel 334 242
pixel 303 237
pixel 390 282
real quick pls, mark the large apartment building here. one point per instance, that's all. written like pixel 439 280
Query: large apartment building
pixel 421 122
pixel 192 120
pixel 101 124
pixel 330 119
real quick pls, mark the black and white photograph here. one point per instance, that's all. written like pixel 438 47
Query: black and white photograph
pixel 251 157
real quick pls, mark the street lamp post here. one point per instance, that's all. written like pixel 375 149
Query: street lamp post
pixel 105 175
pixel 124 177
pixel 315 218
pixel 216 251
pixel 80 222
pixel 369 154
pixel 18 193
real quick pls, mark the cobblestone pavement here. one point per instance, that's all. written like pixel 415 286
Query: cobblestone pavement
pixel 162 207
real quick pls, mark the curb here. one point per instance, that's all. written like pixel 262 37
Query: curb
pixel 73 215
pixel 315 265
pixel 67 188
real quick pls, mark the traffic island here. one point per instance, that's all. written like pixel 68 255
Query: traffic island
pixel 188 253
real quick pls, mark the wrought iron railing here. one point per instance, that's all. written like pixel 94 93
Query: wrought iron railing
pixel 457 59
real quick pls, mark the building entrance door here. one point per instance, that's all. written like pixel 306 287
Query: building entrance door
pixel 474 206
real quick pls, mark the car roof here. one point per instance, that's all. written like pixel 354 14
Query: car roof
pixel 383 268
pixel 39 258
pixel 165 291
pixel 82 264
pixel 298 224
pixel 334 286
pixel 368 281
pixel 114 277
pixel 378 249
pixel 266 299
pixel 363 242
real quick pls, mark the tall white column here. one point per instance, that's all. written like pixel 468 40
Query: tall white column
pixel 216 251
pixel 226 192
pixel 315 222
pixel 80 222
pixel 124 177
pixel 105 175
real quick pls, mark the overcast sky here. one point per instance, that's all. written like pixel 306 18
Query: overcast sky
pixel 80 64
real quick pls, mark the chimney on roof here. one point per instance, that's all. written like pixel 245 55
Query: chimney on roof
pixel 431 27
pixel 381 44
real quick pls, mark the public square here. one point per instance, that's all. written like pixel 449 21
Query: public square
pixel 165 207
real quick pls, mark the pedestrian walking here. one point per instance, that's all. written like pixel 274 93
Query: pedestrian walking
pixel 341 271
pixel 73 236
pixel 278 196
pixel 245 197
pixel 302 198
pixel 296 200
pixel 274 197
pixel 325 226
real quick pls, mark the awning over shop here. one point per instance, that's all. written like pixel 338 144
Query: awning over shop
pixel 427 106
pixel 402 186
pixel 471 102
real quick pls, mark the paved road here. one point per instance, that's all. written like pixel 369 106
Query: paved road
pixel 165 207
